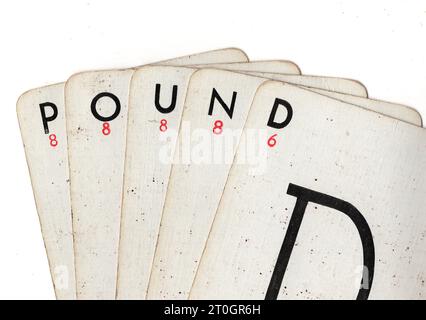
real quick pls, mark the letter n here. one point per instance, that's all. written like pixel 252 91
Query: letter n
pixel 228 109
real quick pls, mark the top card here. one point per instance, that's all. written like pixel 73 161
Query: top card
pixel 336 212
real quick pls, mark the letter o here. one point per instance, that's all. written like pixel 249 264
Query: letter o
pixel 107 95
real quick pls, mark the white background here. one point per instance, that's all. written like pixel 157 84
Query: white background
pixel 380 43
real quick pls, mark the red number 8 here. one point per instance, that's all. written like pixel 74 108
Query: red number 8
pixel 218 126
pixel 106 130
pixel 53 141
pixel 163 125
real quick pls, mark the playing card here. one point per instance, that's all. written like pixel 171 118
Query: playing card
pixel 42 123
pixel 290 72
pixel 196 181
pixel 263 66
pixel 337 212
pixel 96 116
pixel 156 98
pixel 341 85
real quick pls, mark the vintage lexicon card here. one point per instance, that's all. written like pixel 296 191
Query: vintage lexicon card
pixel 96 115
pixel 42 123
pixel 348 90
pixel 264 66
pixel 341 85
pixel 337 210
pixel 157 95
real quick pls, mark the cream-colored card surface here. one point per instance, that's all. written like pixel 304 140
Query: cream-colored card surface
pixel 173 237
pixel 341 85
pixel 42 123
pixel 96 115
pixel 289 72
pixel 337 212
pixel 394 110
pixel 265 66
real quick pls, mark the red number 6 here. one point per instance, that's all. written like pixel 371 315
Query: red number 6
pixel 272 141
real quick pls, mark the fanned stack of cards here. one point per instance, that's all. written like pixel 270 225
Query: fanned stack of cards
pixel 212 177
